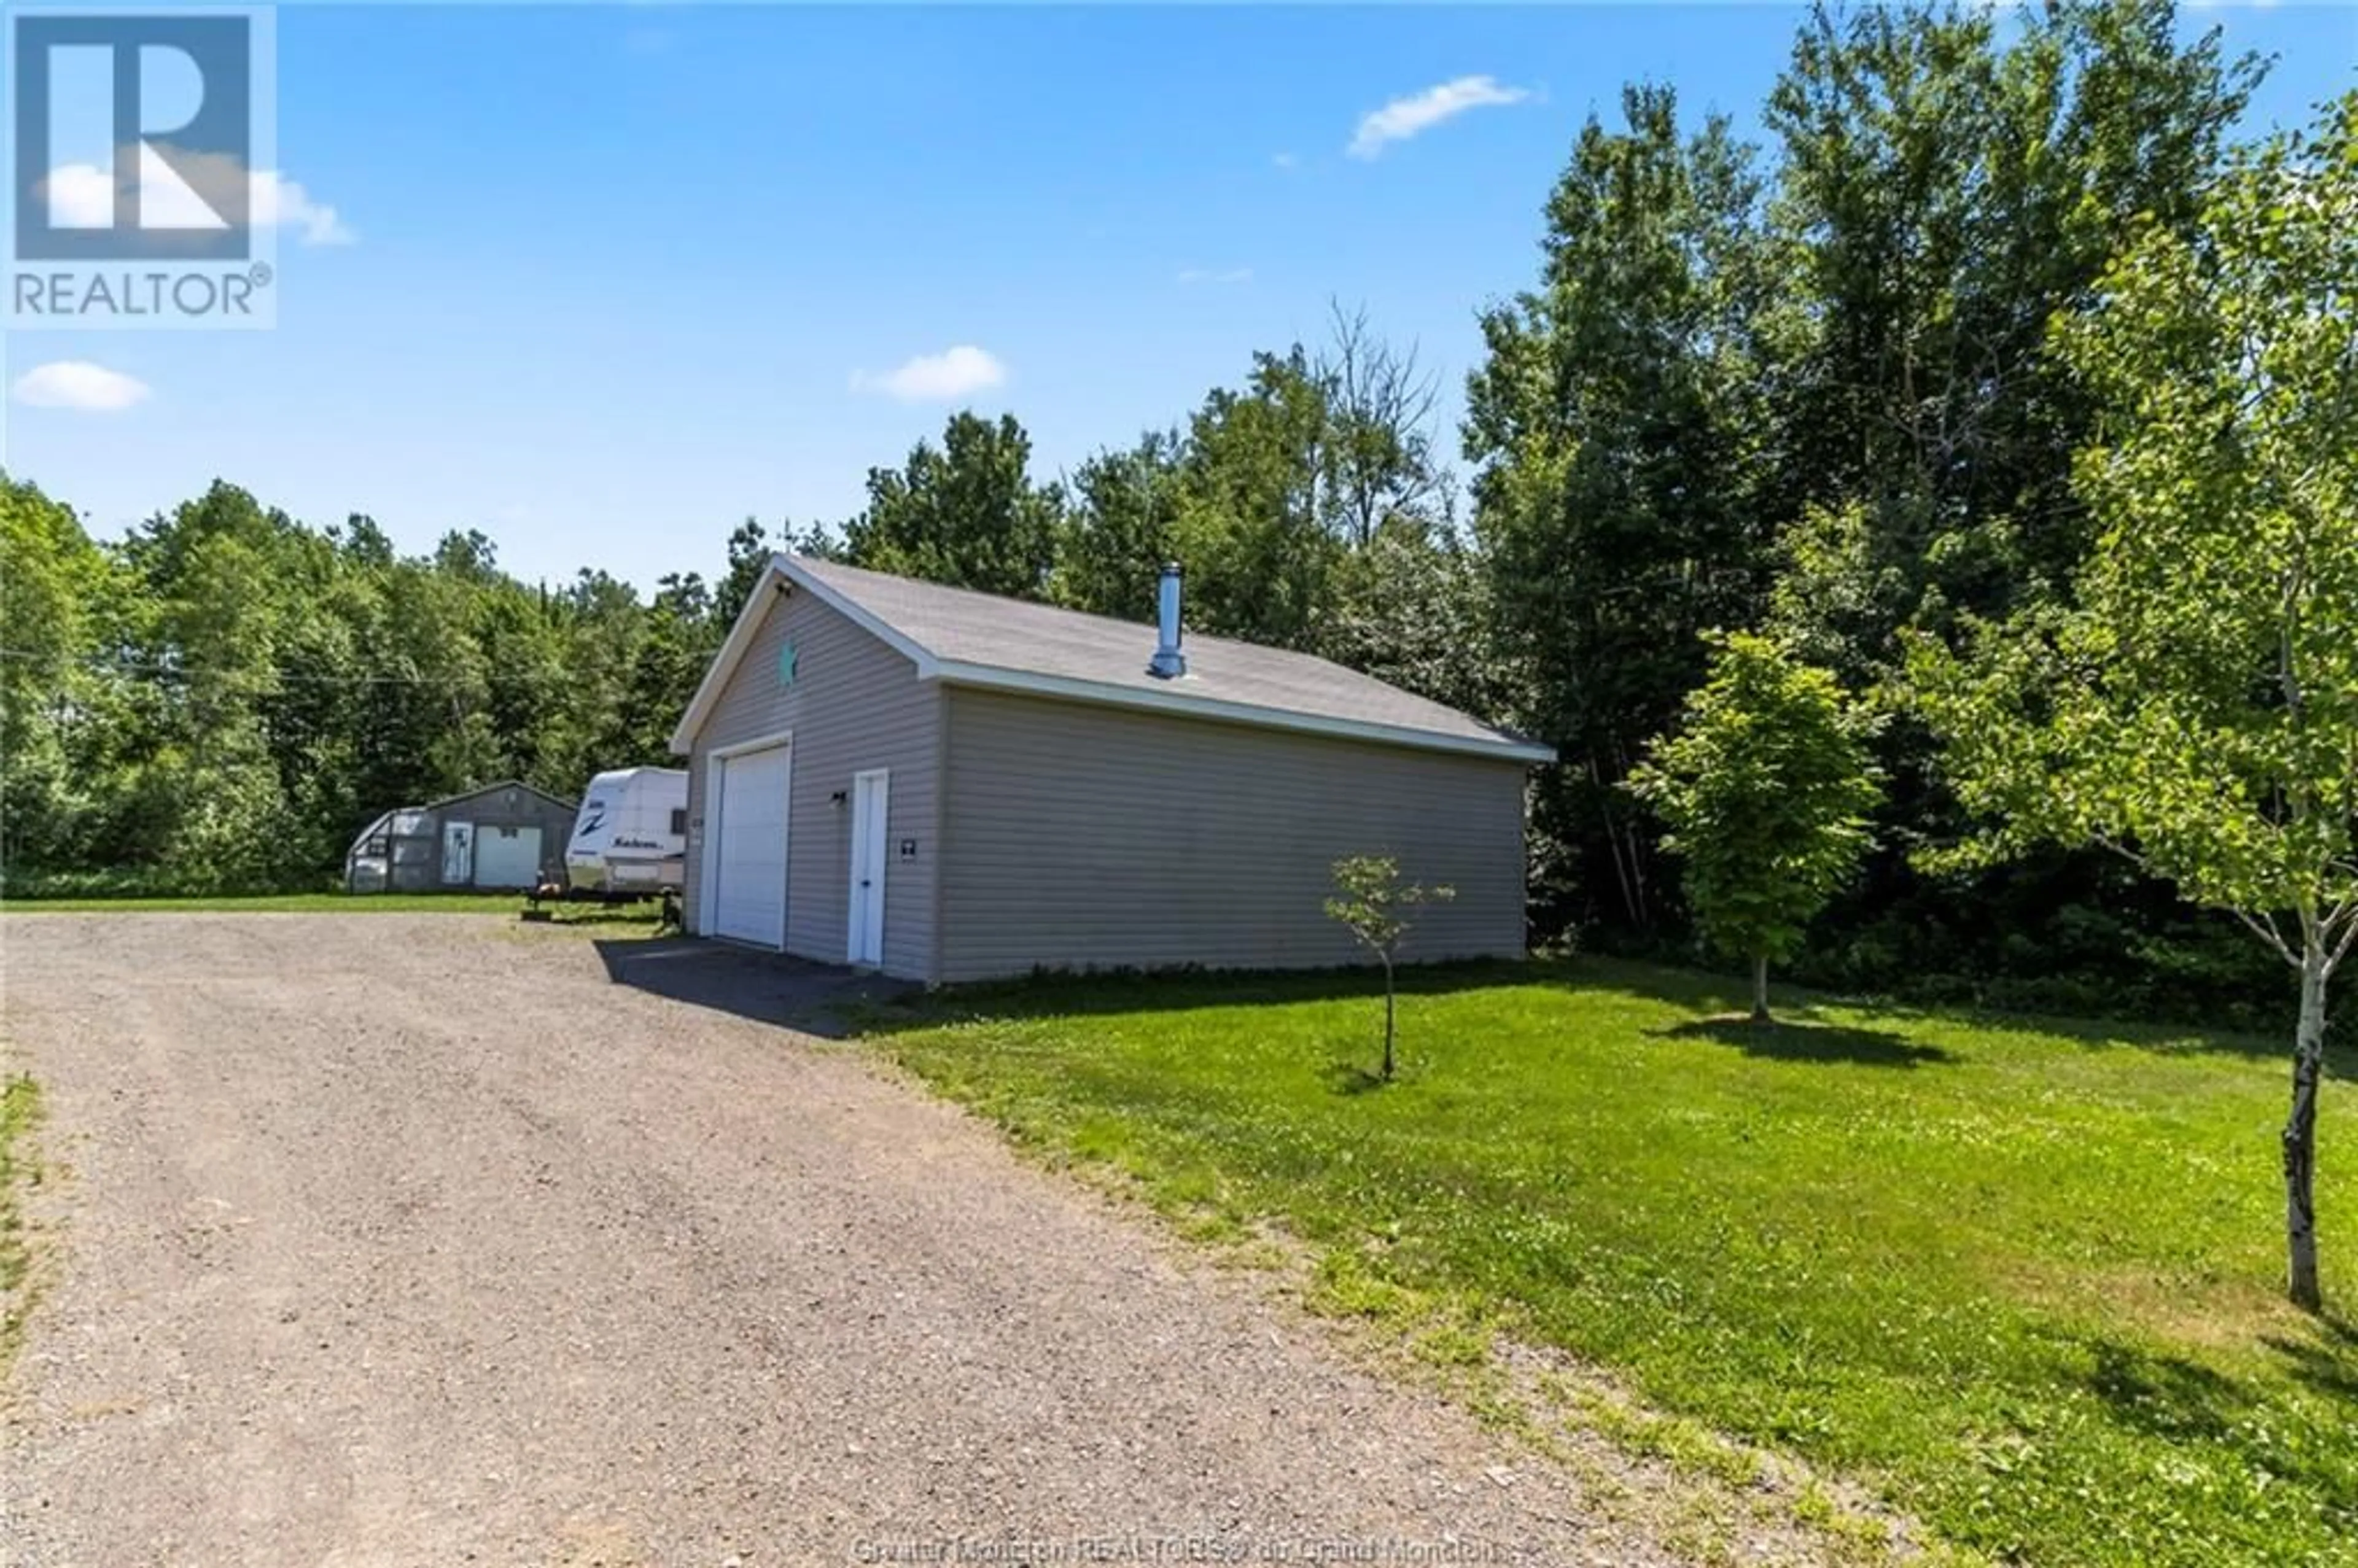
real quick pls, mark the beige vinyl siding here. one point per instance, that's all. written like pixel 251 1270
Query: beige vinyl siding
pixel 855 704
pixel 1081 837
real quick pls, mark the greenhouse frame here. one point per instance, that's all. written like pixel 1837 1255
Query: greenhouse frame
pixel 504 837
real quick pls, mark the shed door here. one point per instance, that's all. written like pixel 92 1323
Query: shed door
pixel 869 813
pixel 458 854
pixel 749 863
pixel 507 857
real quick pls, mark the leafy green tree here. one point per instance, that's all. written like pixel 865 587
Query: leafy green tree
pixel 601 626
pixel 526 683
pixel 749 557
pixel 53 580
pixel 1372 902
pixel 1767 787
pixel 1813 391
pixel 678 642
pixel 1414 607
pixel 966 512
pixel 1253 521
pixel 469 555
pixel 2195 703
pixel 1617 427
pixel 318 702
pixel 1836 595
pixel 1267 493
pixel 217 701
pixel 361 541
pixel 1950 180
pixel 815 540
pixel 204 804
pixel 1123 528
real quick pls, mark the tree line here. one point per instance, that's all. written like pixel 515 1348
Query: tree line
pixel 1807 388
pixel 220 701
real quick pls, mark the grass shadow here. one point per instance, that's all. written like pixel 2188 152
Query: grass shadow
pixel 1790 1042
pixel 2185 1402
pixel 2165 1396
pixel 1715 991
pixel 2172 1038
pixel 2327 1363
pixel 1350 1080
pixel 642 916
pixel 1061 994
pixel 1055 994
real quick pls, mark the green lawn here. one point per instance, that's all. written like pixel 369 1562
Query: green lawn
pixel 2020 1277
pixel 20 1106
pixel 288 902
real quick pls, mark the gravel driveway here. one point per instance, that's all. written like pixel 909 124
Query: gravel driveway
pixel 414 1239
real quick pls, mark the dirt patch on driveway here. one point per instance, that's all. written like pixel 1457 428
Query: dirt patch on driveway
pixel 417 1239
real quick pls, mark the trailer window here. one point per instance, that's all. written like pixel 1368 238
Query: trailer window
pixel 679 821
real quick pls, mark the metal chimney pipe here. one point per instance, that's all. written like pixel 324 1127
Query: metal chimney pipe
pixel 1168 662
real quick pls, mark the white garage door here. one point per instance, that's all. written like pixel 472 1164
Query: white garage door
pixel 507 857
pixel 748 900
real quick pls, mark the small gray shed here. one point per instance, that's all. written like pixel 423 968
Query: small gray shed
pixel 948 786
pixel 507 836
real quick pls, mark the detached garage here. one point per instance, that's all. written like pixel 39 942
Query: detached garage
pixel 947 785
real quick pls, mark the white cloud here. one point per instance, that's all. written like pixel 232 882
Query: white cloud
pixel 281 201
pixel 930 378
pixel 1285 160
pixel 1404 117
pixel 1191 275
pixel 78 383
pixel 82 195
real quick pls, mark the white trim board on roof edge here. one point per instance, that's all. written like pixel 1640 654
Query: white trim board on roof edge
pixel 782 572
pixel 778 574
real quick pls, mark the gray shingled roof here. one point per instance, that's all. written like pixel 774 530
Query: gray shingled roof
pixel 960 627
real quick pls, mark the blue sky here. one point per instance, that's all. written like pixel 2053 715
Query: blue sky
pixel 604 281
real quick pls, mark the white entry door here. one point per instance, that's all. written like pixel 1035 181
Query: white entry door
pixel 458 854
pixel 870 795
pixel 748 859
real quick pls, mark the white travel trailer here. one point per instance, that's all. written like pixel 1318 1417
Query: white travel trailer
pixel 630 840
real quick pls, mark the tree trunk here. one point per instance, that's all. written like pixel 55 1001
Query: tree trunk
pixel 2300 1130
pixel 1760 989
pixel 1387 1020
pixel 1623 871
